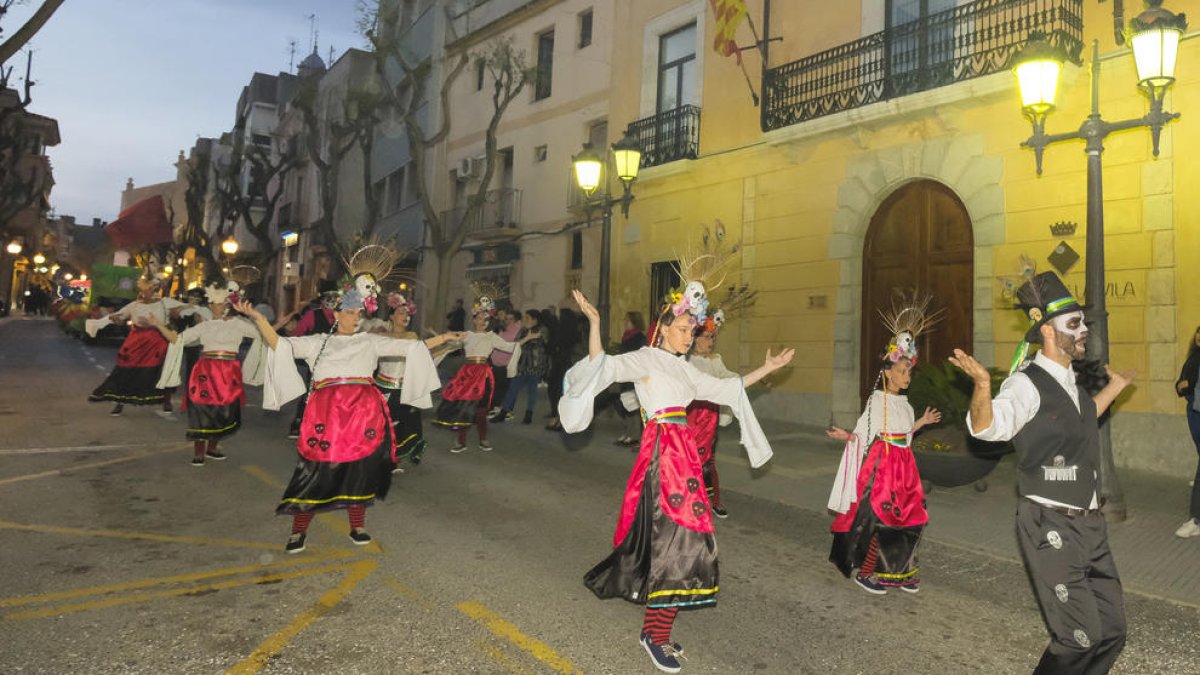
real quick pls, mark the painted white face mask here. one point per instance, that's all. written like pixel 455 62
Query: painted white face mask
pixel 366 285
pixel 1062 324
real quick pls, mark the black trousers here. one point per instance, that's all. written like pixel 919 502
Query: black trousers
pixel 1077 587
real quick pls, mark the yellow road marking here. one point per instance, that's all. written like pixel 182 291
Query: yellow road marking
pixel 77 467
pixel 501 628
pixel 120 534
pixel 501 658
pixel 156 595
pixel 338 524
pixel 163 581
pixel 273 645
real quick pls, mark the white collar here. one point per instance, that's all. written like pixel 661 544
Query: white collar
pixel 1064 376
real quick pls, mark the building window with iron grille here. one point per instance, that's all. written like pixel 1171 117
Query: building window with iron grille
pixel 545 65
pixel 677 69
pixel 920 44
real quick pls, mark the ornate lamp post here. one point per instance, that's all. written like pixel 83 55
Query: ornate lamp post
pixel 1155 35
pixel 589 173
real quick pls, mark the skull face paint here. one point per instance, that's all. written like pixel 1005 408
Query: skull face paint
pixel 366 285
pixel 1070 334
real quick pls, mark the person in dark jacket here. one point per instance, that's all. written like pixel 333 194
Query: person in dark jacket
pixel 633 339
pixel 533 366
pixel 1186 386
pixel 566 342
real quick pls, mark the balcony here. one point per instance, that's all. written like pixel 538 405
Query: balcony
pixel 959 44
pixel 668 136
pixel 495 222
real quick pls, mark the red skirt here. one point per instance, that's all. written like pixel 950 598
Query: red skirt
pixel 470 388
pixel 702 417
pixel 215 397
pixel 896 496
pixel 139 363
pixel 665 551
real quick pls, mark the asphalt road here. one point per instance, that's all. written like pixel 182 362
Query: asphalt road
pixel 119 556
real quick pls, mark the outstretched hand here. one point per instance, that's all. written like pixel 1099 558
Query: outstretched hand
pixel 777 361
pixel 931 416
pixel 1122 379
pixel 589 310
pixel 244 307
pixel 967 363
pixel 837 433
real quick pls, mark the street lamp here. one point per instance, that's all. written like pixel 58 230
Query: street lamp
pixel 229 246
pixel 14 247
pixel 1154 35
pixel 38 259
pixel 589 173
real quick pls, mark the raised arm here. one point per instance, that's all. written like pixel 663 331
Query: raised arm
pixel 771 363
pixel 269 336
pixel 166 331
pixel 1116 384
pixel 595 346
pixel 981 396
pixel 440 340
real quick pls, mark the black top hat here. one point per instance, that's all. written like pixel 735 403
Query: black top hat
pixel 326 286
pixel 1043 297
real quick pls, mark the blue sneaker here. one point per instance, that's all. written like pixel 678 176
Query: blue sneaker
pixel 663 656
pixel 870 586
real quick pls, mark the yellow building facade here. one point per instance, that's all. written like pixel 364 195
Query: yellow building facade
pixel 852 191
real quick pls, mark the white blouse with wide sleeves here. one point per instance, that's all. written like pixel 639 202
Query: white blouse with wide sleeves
pixel 898 414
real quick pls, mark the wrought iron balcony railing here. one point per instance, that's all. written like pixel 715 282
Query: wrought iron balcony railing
pixel 498 217
pixel 968 41
pixel 668 136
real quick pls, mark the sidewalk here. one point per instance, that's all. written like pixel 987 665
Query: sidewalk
pixel 1151 559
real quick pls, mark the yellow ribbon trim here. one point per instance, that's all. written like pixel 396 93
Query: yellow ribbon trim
pixel 697 591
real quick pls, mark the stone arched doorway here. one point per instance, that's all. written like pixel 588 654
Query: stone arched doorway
pixel 921 238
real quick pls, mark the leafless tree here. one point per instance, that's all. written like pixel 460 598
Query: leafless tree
pixel 252 180
pixel 509 74
pixel 26 32
pixel 23 177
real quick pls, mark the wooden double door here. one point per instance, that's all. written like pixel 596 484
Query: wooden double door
pixel 919 239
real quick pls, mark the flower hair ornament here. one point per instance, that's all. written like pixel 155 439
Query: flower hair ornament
pixel 217 295
pixel 395 301
pixel 369 266
pixel 907 319
pixel 486 293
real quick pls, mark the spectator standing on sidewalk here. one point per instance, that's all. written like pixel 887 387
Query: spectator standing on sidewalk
pixel 633 339
pixel 456 319
pixel 1187 387
pixel 531 368
pixel 1052 423
pixel 564 349
pixel 509 330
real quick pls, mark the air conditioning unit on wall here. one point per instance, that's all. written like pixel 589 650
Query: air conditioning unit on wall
pixel 469 167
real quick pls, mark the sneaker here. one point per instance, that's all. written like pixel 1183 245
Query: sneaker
pixel 872 587
pixel 664 657
pixel 294 433
pixel 218 456
pixel 1190 528
pixel 197 461
pixel 720 512
pixel 494 411
pixel 458 448
pixel 911 588
pixel 507 416
pixel 485 446
pixel 397 469
pixel 295 543
pixel 117 409
pixel 165 414
pixel 360 537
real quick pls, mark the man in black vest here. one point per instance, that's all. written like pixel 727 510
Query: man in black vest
pixel 1052 423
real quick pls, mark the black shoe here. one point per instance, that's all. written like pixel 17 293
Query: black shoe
pixel 295 543
pixel 720 512
pixel 500 417
pixel 215 455
pixel 870 585
pixel 117 409
pixel 528 417
pixel 360 537
pixel 197 461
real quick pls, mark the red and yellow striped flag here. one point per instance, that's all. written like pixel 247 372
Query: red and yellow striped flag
pixel 729 15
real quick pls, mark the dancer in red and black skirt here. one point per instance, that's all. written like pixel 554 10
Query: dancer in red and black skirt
pixel 882 542
pixel 703 416
pixel 467 398
pixel 139 362
pixel 664 549
pixel 215 393
pixel 346 445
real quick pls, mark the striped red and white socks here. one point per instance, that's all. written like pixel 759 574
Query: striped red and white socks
pixel 658 622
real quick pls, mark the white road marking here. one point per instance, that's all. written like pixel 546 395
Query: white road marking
pixel 83 448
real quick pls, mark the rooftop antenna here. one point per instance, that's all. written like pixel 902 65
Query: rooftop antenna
pixel 314 32
pixel 330 61
pixel 291 55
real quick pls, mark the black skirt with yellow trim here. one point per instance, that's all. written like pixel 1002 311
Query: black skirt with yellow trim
pixel 327 486
pixel 406 422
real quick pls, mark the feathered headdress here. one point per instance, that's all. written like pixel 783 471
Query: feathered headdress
pixel 907 319
pixel 486 293
pixel 1041 297
pixel 737 300
pixel 369 266
pixel 216 295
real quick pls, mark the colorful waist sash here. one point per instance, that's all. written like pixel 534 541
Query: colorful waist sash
pixel 667 416
pixel 898 440
pixel 335 381
pixel 386 382
pixel 477 359
pixel 221 356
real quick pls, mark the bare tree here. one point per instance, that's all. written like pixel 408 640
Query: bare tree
pixel 24 177
pixel 244 184
pixel 26 32
pixel 509 74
